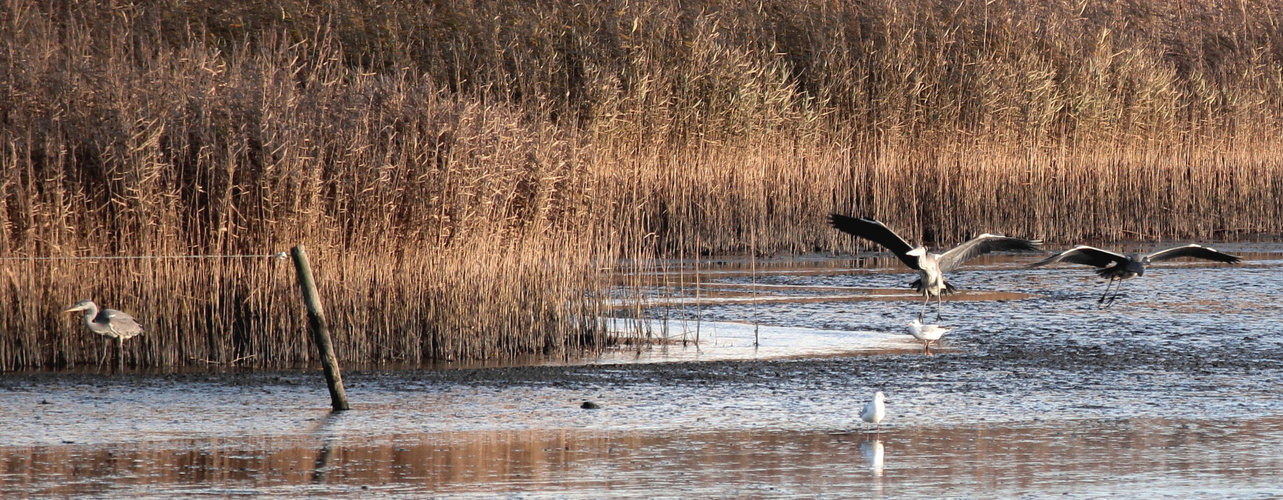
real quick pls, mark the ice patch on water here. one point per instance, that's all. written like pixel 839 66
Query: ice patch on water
pixel 676 340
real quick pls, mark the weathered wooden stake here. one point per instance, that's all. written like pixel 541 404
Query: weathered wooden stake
pixel 320 331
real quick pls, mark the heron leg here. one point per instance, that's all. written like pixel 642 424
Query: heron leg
pixel 1103 295
pixel 102 356
pixel 923 312
pixel 120 354
pixel 939 300
pixel 1115 297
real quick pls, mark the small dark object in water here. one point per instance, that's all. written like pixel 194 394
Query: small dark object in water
pixel 589 405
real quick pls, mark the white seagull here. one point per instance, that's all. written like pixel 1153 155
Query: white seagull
pixel 875 411
pixel 926 333
pixel 930 266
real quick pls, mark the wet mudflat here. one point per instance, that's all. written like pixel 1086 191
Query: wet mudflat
pixel 1036 392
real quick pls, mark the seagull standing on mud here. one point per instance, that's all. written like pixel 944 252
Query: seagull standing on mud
pixel 926 333
pixel 930 266
pixel 1117 266
pixel 875 411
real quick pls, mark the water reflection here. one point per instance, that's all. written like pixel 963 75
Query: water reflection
pixel 325 457
pixel 873 450
pixel 1079 457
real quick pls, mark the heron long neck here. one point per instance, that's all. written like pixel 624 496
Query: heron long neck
pixel 89 316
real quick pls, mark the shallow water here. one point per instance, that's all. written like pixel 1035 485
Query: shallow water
pixel 1036 392
pixel 1172 458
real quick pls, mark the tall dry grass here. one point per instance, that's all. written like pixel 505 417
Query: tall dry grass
pixel 467 174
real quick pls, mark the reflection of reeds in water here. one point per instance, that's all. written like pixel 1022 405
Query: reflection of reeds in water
pixel 467 176
pixel 1022 457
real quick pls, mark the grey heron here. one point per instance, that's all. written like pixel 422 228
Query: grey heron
pixel 1117 266
pixel 930 266
pixel 926 333
pixel 109 323
pixel 875 411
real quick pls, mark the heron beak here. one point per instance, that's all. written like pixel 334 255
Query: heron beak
pixel 73 309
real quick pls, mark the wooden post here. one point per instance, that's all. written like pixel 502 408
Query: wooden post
pixel 320 331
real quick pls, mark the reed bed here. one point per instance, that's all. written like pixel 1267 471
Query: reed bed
pixel 467 174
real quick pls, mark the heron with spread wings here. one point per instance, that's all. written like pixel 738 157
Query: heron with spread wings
pixel 930 266
pixel 1117 266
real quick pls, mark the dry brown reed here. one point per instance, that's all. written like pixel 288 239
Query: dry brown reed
pixel 467 174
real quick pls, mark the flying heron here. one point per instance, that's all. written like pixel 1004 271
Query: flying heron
pixel 875 411
pixel 1117 266
pixel 109 323
pixel 930 266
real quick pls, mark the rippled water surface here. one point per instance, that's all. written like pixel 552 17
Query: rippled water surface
pixel 1037 391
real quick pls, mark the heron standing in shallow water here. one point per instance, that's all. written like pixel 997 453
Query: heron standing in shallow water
pixel 1117 266
pixel 109 323
pixel 930 266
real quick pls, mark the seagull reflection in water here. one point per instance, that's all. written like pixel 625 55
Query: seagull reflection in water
pixel 873 451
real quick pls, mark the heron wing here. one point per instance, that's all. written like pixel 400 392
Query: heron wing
pixel 1195 251
pixel 984 244
pixel 121 323
pixel 876 232
pixel 1083 254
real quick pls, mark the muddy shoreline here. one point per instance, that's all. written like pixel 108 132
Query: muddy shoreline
pixel 1176 387
pixel 1073 420
pixel 1241 355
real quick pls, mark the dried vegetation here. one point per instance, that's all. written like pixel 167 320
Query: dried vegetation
pixel 467 174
